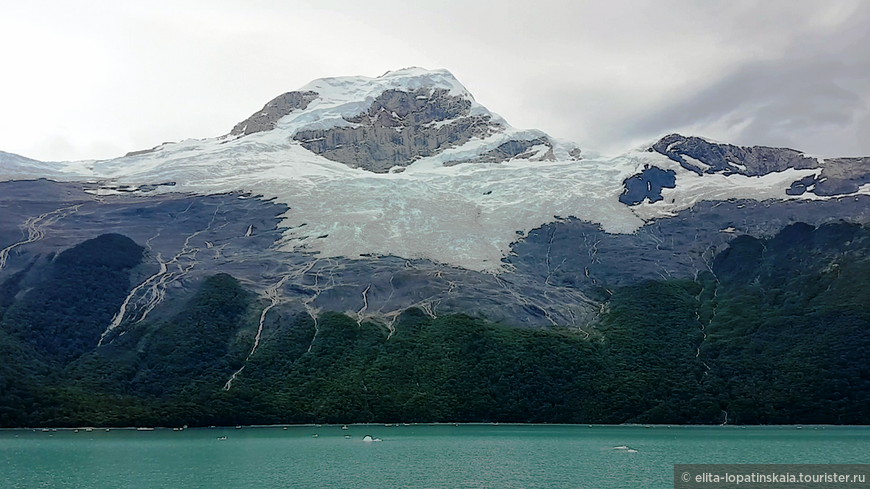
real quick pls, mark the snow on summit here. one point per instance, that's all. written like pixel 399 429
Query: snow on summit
pixel 407 164
pixel 354 94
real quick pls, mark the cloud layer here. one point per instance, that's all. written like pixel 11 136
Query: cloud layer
pixel 97 79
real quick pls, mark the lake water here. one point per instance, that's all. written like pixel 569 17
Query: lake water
pixel 442 456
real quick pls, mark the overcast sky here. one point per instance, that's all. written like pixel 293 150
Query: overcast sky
pixel 96 79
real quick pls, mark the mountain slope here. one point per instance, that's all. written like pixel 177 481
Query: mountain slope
pixel 786 344
pixel 392 243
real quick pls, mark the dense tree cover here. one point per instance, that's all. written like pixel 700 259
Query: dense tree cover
pixel 17 371
pixel 55 317
pixel 776 332
pixel 10 288
pixel 64 315
pixel 791 332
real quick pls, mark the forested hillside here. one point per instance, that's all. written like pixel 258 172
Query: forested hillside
pixel 776 331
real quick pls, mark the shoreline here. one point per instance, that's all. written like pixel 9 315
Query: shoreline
pixel 94 429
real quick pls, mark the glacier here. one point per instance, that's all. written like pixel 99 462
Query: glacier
pixel 445 207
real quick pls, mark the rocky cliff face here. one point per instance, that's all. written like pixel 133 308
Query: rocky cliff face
pixel 399 128
pixel 839 176
pixel 272 112
pixel 708 157
pixel 538 149
pixel 836 176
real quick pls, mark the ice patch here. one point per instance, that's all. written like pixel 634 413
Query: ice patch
pixel 698 163
pixel 737 165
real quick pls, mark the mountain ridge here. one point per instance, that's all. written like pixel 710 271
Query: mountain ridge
pixel 410 165
pixel 371 218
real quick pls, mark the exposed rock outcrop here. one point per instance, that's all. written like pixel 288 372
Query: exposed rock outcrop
pixel 399 128
pixel 265 119
pixel 396 108
pixel 515 148
pixel 839 176
pixel 727 158
pixel 142 152
pixel 647 184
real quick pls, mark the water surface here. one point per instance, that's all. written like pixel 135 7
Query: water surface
pixel 442 456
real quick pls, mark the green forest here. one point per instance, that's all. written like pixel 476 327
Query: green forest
pixel 777 331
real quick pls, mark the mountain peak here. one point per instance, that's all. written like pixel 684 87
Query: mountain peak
pixel 343 88
pixel 387 123
pixel 408 164
pixel 336 99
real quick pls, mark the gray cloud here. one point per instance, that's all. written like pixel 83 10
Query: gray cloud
pixel 606 75
pixel 813 98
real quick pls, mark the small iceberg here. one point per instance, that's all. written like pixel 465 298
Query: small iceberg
pixel 626 449
pixel 369 439
pixel 344 427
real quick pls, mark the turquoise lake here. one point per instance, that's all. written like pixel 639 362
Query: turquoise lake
pixel 440 456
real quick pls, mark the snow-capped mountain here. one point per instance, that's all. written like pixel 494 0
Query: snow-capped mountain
pixel 359 179
pixel 409 165
pixel 343 253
